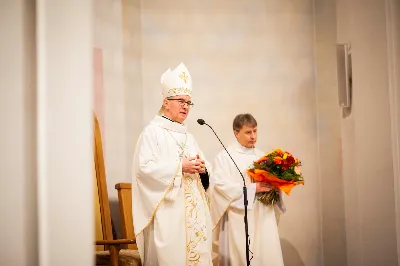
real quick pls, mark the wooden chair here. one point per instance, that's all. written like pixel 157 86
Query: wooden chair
pixel 108 250
pixel 125 207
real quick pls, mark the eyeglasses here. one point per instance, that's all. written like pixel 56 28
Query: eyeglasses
pixel 182 102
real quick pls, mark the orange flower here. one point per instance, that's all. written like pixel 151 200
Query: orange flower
pixel 278 160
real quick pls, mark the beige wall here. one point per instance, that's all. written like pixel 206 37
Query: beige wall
pixel 108 39
pixel 359 226
pixel 370 219
pixel 132 70
pixel 117 37
pixel 329 136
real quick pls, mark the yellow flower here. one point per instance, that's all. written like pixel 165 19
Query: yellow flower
pixel 285 156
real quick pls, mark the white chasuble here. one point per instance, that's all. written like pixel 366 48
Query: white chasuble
pixel 171 215
pixel 227 212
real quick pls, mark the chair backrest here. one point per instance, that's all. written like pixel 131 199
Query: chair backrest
pixel 125 208
pixel 103 225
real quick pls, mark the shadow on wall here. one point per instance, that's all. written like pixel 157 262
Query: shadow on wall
pixel 291 256
pixel 116 218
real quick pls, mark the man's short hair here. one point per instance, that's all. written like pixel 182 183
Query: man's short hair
pixel 243 119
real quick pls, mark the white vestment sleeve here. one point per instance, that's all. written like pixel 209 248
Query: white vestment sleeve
pixel 153 177
pixel 224 189
pixel 251 194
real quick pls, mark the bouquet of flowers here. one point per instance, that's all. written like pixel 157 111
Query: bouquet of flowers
pixel 279 169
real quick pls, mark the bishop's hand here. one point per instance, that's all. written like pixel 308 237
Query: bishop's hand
pixel 191 165
pixel 202 164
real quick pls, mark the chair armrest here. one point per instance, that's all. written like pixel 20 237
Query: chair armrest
pixel 123 186
pixel 125 208
pixel 115 242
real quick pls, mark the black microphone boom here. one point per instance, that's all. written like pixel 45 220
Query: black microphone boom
pixel 202 122
pixel 246 222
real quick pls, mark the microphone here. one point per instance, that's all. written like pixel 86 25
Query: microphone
pixel 202 122
pixel 246 222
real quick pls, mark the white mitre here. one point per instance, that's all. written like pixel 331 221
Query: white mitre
pixel 176 82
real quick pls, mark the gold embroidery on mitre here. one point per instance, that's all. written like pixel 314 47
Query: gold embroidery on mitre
pixel 179 91
pixel 184 77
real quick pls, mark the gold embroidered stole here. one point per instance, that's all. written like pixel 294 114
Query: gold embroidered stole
pixel 196 208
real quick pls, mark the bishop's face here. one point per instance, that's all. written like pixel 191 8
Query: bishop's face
pixel 177 108
pixel 247 136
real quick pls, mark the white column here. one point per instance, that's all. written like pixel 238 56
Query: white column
pixel 18 236
pixel 393 43
pixel 65 178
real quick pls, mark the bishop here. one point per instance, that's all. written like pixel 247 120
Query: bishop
pixel 170 208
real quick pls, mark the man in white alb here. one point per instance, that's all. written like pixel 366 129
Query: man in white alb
pixel 227 206
pixel 170 210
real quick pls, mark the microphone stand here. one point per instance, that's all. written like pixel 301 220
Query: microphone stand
pixel 246 222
